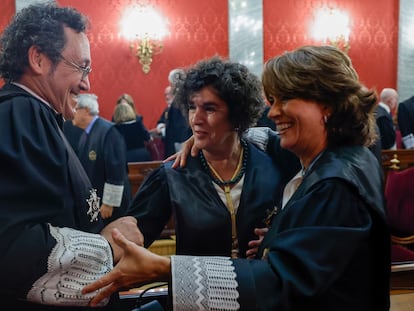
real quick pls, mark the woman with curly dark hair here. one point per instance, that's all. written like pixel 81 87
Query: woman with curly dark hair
pixel 225 193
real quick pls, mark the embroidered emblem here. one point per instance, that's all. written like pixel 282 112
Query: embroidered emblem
pixel 94 205
pixel 92 155
pixel 269 217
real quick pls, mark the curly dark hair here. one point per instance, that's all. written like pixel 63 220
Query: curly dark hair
pixel 233 83
pixel 39 25
pixel 324 74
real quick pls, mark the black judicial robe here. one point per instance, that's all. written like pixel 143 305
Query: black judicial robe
pixel 405 117
pixel 41 183
pixel 386 127
pixel 73 134
pixel 203 223
pixel 177 129
pixel 327 249
pixel 104 158
pixel 135 136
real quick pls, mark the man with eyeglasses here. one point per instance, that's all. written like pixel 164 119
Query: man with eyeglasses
pixel 52 238
pixel 85 70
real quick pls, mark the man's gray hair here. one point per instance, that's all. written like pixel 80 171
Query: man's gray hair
pixel 89 101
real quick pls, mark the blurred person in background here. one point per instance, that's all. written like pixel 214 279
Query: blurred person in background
pixel 172 123
pixel 102 152
pixel 388 102
pixel 133 131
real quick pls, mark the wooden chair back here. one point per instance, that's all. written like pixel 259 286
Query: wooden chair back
pixel 398 159
pixel 396 163
pixel 137 171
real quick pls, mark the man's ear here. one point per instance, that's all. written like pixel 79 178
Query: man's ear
pixel 38 62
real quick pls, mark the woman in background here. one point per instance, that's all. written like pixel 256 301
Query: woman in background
pixel 128 99
pixel 134 132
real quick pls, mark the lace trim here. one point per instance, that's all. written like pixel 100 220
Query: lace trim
pixel 204 283
pixel 78 258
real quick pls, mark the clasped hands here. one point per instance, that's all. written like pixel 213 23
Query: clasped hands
pixel 126 225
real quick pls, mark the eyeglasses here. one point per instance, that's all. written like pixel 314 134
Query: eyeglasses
pixel 85 70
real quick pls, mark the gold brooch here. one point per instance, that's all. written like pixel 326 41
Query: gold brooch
pixel 269 216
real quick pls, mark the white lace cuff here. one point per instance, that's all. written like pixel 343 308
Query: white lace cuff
pixel 112 194
pixel 79 258
pixel 203 283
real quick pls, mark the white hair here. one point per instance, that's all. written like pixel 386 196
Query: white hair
pixel 174 75
pixel 388 93
pixel 89 101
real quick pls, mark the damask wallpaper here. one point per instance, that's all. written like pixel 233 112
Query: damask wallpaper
pixel 373 38
pixel 199 29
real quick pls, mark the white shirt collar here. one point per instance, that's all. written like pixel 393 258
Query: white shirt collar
pixel 33 94
pixel 385 106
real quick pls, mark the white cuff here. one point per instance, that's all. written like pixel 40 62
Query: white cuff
pixel 204 283
pixel 78 258
pixel 408 141
pixel 161 128
pixel 112 195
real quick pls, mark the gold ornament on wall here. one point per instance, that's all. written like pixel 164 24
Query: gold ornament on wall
pixel 145 28
pixel 331 26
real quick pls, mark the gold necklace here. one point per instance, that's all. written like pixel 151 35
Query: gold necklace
pixel 230 205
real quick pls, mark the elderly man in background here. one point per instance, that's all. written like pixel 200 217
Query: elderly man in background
pixel 384 112
pixel 102 152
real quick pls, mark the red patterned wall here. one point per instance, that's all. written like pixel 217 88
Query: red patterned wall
pixel 199 29
pixel 373 38
pixel 7 9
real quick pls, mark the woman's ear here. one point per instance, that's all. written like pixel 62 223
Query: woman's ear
pixel 327 111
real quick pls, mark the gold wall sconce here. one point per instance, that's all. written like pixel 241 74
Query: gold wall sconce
pixel 145 28
pixel 331 26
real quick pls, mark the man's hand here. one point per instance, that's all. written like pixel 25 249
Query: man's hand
pixel 127 225
pixel 106 211
pixel 136 267
pixel 255 244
